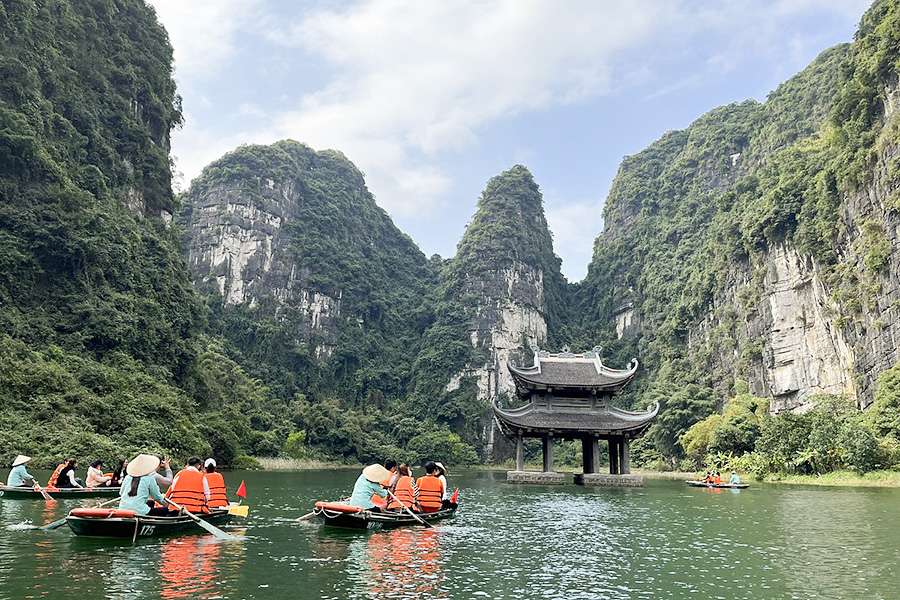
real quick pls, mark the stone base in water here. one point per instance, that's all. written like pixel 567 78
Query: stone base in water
pixel 543 478
pixel 606 480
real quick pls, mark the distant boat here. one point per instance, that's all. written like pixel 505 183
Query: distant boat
pixel 29 493
pixel 726 486
pixel 337 514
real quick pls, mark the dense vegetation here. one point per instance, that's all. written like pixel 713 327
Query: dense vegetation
pixel 507 232
pixel 703 206
pixel 100 347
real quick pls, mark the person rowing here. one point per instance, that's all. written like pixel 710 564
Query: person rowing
pixel 18 475
pixel 139 488
pixel 735 480
pixel 369 484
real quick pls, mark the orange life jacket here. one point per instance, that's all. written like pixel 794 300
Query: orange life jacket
pixel 51 483
pixel 218 495
pixel 405 492
pixel 187 491
pixel 718 479
pixel 430 493
pixel 385 483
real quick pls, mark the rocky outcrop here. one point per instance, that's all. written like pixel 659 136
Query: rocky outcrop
pixel 236 242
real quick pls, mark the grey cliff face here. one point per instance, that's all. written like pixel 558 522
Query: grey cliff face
pixel 236 242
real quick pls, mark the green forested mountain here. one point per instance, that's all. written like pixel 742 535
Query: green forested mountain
pixel 501 291
pixel 99 346
pixel 756 248
pixel 282 312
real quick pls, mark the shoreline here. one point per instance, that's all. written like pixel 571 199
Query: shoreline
pixel 883 478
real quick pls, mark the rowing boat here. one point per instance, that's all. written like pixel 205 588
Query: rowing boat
pixel 117 523
pixel 29 493
pixel 336 514
pixel 724 486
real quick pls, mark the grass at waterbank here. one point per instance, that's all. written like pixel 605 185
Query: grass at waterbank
pixel 835 478
pixel 841 478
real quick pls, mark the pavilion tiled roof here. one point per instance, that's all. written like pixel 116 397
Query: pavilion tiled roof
pixel 575 416
pixel 564 370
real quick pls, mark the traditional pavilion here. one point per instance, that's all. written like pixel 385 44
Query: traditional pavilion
pixel 568 397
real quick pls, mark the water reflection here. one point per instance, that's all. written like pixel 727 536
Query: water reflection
pixel 405 563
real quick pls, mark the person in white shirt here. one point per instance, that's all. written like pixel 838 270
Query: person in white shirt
pixel 445 495
pixel 95 476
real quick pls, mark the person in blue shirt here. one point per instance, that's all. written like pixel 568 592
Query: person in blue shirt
pixel 18 476
pixel 735 480
pixel 139 486
pixel 369 483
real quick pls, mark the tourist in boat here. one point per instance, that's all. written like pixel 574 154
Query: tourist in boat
pixel 166 480
pixel 431 489
pixel 66 478
pixel 717 479
pixel 95 475
pixel 18 475
pixel 369 484
pixel 389 482
pixel 735 480
pixel 139 488
pixel 445 499
pixel 405 491
pixel 118 474
pixel 218 494
pixel 190 489
pixel 54 477
pixel 708 478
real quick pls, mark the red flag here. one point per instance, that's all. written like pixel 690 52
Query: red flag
pixel 242 490
pixel 455 497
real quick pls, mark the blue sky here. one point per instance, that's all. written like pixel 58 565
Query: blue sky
pixel 430 99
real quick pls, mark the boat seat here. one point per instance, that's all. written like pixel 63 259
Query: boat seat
pixel 102 513
pixel 338 507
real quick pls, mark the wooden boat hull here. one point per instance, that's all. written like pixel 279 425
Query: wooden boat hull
pixel 27 493
pixel 142 526
pixel 722 486
pixel 378 520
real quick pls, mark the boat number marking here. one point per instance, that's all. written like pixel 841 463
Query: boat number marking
pixel 147 529
pixel 2 492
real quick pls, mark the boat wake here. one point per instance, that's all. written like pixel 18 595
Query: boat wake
pixel 23 526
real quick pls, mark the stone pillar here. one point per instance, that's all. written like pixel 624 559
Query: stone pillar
pixel 587 456
pixel 595 453
pixel 548 453
pixel 520 453
pixel 613 456
pixel 626 456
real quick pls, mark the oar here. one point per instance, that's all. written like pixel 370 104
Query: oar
pixel 222 535
pixel 411 513
pixel 42 491
pixel 61 522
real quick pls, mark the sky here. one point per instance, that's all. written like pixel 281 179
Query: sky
pixel 431 99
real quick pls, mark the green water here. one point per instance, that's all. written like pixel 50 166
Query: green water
pixel 663 541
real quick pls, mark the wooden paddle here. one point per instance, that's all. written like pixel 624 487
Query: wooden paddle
pixel 222 535
pixel 61 522
pixel 409 512
pixel 42 491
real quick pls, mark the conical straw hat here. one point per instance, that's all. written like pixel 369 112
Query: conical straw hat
pixel 21 460
pixel 142 464
pixel 375 473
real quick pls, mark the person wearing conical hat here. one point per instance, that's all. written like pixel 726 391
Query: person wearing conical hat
pixel 18 475
pixel 139 486
pixel 369 483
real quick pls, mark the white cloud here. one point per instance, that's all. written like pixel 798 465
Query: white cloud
pixel 204 33
pixel 414 80
pixel 574 224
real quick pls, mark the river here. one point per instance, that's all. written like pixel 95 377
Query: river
pixel 512 542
